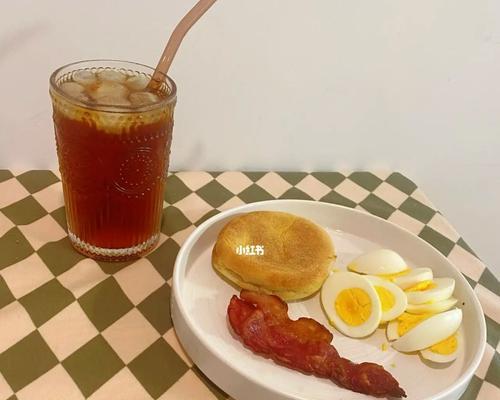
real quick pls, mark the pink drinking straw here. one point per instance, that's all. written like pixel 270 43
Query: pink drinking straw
pixel 175 41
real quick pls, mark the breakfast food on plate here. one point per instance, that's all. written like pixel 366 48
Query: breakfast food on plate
pixel 378 262
pixel 402 324
pixel 433 307
pixel 437 336
pixel 431 291
pixel 357 304
pixel 351 304
pixel 392 298
pixel 417 306
pixel 294 262
pixel 411 277
pixel 295 258
pixel 445 351
pixel 262 322
pixel 429 332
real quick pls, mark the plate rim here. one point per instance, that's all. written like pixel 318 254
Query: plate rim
pixel 197 232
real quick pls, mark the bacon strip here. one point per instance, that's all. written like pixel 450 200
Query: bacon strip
pixel 263 324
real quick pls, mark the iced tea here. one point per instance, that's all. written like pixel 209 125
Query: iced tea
pixel 113 142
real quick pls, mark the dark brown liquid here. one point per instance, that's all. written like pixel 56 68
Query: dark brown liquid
pixel 113 182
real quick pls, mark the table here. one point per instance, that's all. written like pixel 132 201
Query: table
pixel 74 328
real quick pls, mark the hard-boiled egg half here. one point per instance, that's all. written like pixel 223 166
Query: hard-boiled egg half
pixel 412 277
pixel 430 331
pixel 378 262
pixel 446 350
pixel 402 324
pixel 430 291
pixel 392 298
pixel 432 308
pixel 351 303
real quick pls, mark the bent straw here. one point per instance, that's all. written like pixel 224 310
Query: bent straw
pixel 175 41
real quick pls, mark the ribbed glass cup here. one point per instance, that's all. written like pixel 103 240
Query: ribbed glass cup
pixel 113 162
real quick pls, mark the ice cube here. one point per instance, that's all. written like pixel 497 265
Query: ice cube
pixel 74 90
pixel 112 100
pixel 111 75
pixel 143 98
pixel 84 77
pixel 106 89
pixel 137 82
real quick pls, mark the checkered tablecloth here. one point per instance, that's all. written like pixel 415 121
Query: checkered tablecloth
pixel 74 328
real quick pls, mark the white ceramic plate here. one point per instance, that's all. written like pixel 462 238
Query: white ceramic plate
pixel 200 299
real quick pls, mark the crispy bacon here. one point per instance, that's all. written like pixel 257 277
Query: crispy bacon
pixel 263 324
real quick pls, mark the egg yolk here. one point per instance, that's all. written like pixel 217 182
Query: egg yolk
pixel 390 277
pixel 407 322
pixel 446 346
pixel 424 285
pixel 353 306
pixel 387 299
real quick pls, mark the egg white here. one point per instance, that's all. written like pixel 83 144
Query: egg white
pixel 430 331
pixel 413 277
pixel 432 308
pixel 444 358
pixel 392 331
pixel 400 298
pixel 336 283
pixel 443 290
pixel 378 262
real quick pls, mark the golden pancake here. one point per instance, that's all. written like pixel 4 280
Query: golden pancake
pixel 296 257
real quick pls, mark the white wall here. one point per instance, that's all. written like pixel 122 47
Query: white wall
pixel 290 84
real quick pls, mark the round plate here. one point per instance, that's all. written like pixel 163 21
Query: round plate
pixel 200 299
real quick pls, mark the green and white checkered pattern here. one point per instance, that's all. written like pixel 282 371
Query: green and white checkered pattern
pixel 74 328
